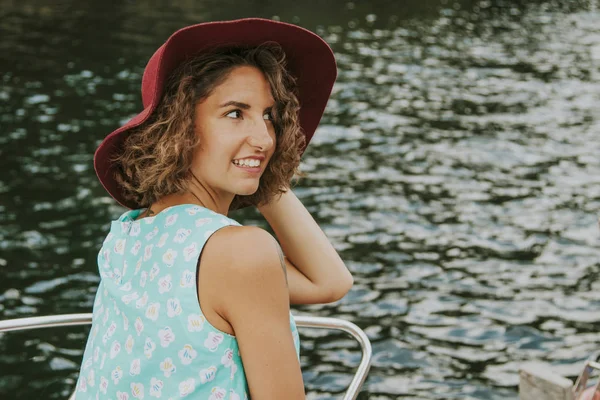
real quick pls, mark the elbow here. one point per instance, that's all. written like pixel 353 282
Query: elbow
pixel 341 289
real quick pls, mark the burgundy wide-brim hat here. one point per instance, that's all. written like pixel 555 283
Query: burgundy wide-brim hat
pixel 309 59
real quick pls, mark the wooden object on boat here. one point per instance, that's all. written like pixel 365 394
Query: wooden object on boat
pixel 538 382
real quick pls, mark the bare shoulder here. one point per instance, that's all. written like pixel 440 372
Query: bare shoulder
pixel 244 243
pixel 254 299
pixel 242 259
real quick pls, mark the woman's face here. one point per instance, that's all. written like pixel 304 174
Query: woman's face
pixel 234 123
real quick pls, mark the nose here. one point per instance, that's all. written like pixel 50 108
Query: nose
pixel 259 135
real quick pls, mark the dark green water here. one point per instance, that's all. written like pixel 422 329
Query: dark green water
pixel 456 171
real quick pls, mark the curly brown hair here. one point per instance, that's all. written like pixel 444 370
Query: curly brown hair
pixel 158 154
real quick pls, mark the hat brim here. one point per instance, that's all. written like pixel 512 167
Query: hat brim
pixel 309 59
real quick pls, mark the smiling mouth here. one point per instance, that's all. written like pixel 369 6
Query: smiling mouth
pixel 248 163
pixel 248 168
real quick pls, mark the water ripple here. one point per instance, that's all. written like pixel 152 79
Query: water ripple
pixel 455 170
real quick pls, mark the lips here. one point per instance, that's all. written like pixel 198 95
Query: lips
pixel 248 168
pixel 248 162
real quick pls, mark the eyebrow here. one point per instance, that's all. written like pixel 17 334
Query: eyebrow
pixel 243 106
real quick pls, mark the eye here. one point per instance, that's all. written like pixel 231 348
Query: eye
pixel 236 114
pixel 268 115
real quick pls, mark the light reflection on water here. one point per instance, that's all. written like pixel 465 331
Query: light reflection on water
pixel 455 170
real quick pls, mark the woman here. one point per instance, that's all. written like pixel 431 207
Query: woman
pixel 190 302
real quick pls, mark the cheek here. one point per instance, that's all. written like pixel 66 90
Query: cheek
pixel 274 138
pixel 202 157
pixel 211 148
pixel 270 153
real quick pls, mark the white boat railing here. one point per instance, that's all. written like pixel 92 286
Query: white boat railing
pixel 360 376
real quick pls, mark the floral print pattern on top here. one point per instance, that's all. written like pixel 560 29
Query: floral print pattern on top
pixel 149 338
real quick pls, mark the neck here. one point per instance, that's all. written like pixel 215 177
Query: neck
pixel 208 198
pixel 205 199
pixel 197 193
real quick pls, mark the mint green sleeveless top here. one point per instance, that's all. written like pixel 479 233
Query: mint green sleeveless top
pixel 149 337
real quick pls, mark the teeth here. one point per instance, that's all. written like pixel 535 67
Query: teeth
pixel 247 162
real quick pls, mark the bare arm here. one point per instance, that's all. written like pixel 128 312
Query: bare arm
pixel 257 306
pixel 300 288
pixel 312 262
